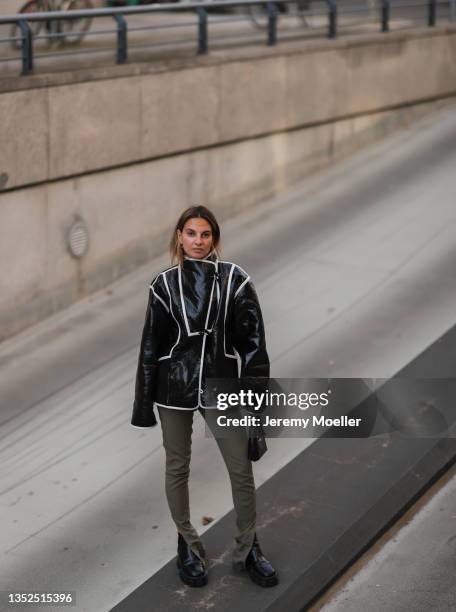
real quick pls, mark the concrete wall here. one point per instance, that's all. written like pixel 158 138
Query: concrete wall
pixel 128 154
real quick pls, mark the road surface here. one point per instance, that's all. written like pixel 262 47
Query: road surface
pixel 414 570
pixel 356 272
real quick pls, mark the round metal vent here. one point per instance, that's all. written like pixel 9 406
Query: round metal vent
pixel 78 238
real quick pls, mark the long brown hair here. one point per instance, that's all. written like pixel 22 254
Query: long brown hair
pixel 200 212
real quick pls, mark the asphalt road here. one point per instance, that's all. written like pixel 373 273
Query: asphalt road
pixel 355 270
pixel 415 570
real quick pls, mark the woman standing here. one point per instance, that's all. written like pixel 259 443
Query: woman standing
pixel 203 320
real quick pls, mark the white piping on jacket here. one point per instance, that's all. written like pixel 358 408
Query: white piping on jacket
pixel 236 354
pixel 184 312
pixel 177 322
pixel 226 311
pixel 206 260
pixel 240 287
pixel 157 296
pixel 176 407
pixel 219 296
pixel 230 263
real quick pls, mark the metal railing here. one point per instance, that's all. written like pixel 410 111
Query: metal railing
pixel 200 9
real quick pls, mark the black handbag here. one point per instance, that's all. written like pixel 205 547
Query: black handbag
pixel 257 443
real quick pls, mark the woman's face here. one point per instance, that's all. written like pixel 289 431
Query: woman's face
pixel 196 238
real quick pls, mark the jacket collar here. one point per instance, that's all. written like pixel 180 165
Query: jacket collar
pixel 202 275
pixel 210 258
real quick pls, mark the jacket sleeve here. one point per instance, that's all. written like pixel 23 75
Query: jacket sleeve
pixel 154 324
pixel 249 336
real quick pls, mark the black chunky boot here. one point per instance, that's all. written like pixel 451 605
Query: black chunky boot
pixel 259 568
pixel 192 570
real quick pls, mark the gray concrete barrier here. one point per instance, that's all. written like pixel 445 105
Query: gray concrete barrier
pixel 127 148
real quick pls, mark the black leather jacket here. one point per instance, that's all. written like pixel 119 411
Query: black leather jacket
pixel 203 320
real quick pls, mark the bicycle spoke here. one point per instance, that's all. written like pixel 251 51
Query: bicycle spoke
pixel 33 6
pixel 75 29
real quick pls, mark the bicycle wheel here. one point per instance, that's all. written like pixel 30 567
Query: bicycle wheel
pixel 74 30
pixel 303 8
pixel 33 6
pixel 258 14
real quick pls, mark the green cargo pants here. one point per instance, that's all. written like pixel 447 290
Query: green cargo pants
pixel 177 428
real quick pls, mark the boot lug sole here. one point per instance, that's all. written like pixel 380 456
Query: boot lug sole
pixel 189 581
pixel 262 580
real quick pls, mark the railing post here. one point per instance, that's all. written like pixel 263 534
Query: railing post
pixel 202 30
pixel 332 31
pixel 122 39
pixel 272 24
pixel 26 47
pixel 385 15
pixel 432 13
